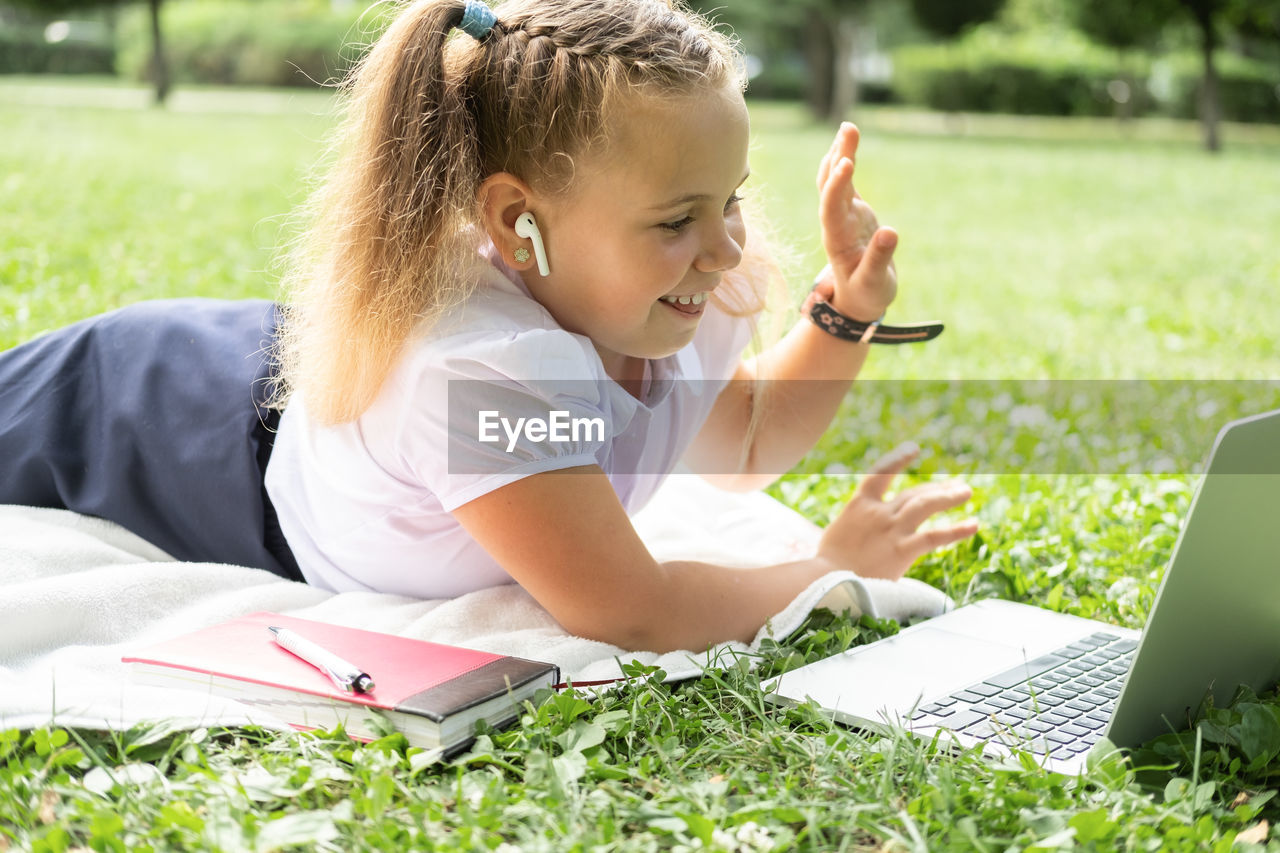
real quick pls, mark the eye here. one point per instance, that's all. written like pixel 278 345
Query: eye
pixel 677 226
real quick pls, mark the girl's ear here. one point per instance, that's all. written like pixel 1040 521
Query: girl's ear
pixel 501 199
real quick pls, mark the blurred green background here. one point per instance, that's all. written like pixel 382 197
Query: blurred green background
pixel 1043 162
pixel 1207 59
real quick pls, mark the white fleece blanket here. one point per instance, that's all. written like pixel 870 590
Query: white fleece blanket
pixel 77 593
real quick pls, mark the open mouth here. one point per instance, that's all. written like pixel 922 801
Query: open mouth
pixel 691 305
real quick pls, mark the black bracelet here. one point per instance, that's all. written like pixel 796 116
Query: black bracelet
pixel 845 328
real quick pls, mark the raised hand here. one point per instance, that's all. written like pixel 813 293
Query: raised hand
pixel 860 280
pixel 881 538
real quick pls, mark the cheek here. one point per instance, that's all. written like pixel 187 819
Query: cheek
pixel 671 257
pixel 608 256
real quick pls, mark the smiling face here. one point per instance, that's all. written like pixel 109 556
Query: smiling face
pixel 649 227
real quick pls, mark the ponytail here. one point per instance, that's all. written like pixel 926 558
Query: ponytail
pixel 430 111
pixel 386 245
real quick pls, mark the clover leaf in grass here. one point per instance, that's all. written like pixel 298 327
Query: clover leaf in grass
pixel 1258 733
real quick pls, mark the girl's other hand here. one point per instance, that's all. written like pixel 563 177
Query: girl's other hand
pixel 880 538
pixel 860 280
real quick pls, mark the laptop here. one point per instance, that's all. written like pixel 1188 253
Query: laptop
pixel 1012 676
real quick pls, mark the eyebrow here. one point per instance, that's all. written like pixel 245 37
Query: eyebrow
pixel 690 198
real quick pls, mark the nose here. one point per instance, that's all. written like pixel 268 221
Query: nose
pixel 722 249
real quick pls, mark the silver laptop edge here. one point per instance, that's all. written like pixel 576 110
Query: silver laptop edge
pixel 1214 624
pixel 1215 621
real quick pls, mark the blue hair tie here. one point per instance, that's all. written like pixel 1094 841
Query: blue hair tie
pixel 477 20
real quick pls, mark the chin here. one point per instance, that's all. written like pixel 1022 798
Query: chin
pixel 656 347
pixel 669 349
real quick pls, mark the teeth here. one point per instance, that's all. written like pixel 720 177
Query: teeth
pixel 695 299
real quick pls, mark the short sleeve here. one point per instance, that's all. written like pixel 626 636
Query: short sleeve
pixel 474 420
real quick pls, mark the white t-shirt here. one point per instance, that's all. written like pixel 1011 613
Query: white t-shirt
pixel 367 505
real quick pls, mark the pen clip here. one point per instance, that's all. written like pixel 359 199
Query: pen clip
pixel 342 682
pixel 351 681
pixel 345 676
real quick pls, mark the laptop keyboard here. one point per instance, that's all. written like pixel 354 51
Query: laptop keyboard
pixel 1055 705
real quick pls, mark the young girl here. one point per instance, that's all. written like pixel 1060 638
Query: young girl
pixel 535 211
pixel 532 225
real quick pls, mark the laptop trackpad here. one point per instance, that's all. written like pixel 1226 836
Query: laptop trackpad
pixel 888 678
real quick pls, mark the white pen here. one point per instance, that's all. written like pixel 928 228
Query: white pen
pixel 345 676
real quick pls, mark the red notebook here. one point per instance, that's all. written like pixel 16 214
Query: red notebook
pixel 432 693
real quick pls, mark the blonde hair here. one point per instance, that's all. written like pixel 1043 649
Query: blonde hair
pixel 431 112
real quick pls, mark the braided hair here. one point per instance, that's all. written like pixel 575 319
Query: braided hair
pixel 431 111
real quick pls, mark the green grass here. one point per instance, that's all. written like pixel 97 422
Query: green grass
pixel 103 207
pixel 1053 256
pixel 1063 250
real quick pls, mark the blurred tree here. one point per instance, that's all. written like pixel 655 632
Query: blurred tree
pixel 1258 19
pixel 1035 15
pixel 1125 27
pixel 1207 16
pixel 160 70
pixel 947 18
pixel 822 30
pixel 824 34
pixel 828 35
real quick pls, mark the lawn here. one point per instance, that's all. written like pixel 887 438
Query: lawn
pixel 1063 251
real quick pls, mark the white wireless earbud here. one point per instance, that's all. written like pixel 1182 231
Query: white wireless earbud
pixel 527 228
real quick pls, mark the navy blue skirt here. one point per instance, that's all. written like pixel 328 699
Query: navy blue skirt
pixel 154 417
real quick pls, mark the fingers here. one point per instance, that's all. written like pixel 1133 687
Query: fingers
pixel 843 146
pixel 824 167
pixel 934 538
pixel 879 254
pixel 836 196
pixel 880 538
pixel 922 502
pixel 847 223
pixel 916 506
pixel 878 480
pixel 849 140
